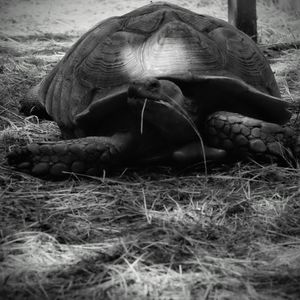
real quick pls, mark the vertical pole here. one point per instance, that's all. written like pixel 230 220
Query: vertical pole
pixel 242 14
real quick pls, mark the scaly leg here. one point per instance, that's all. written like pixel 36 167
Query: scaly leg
pixel 86 155
pixel 243 136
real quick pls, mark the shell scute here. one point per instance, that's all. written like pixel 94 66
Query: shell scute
pixel 144 24
pixel 156 40
pixel 112 62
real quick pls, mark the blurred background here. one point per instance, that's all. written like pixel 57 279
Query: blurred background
pixel 278 20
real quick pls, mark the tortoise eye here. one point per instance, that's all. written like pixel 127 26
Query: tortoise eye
pixel 154 84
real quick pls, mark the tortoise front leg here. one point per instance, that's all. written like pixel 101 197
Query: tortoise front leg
pixel 87 155
pixel 242 136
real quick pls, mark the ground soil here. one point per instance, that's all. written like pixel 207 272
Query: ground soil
pixel 30 17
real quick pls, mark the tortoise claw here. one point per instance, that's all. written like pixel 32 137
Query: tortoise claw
pixel 19 158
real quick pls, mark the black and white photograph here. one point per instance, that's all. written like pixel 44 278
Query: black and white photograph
pixel 150 149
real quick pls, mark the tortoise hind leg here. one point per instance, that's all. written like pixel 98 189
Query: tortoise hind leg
pixel 31 105
pixel 87 155
pixel 242 137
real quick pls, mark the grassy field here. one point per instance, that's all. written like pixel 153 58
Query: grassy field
pixel 154 233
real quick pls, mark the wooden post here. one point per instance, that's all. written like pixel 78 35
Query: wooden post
pixel 242 14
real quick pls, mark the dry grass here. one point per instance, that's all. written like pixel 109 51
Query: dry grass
pixel 233 234
pixel 156 233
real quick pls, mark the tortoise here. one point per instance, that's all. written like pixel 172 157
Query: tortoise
pixel 158 84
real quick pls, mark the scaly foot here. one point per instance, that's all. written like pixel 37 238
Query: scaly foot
pixel 86 155
pixel 243 136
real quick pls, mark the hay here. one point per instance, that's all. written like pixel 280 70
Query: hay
pixel 156 233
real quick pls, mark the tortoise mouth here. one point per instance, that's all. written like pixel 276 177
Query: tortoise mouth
pixel 140 100
pixel 156 92
pixel 148 89
pixel 135 93
pixel 157 98
pixel 163 109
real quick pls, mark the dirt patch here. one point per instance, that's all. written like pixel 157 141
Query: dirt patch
pixel 36 17
pixel 69 17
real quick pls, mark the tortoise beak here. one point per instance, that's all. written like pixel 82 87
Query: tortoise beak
pixel 146 88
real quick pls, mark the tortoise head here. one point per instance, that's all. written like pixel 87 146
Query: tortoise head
pixel 162 103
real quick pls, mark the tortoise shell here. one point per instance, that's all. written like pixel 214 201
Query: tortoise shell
pixel 157 40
